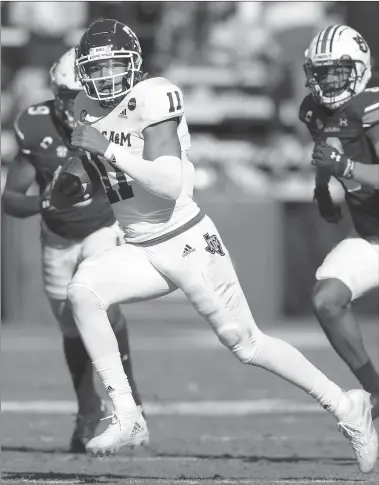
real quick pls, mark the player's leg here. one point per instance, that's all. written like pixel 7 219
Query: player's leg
pixel 348 272
pixel 118 322
pixel 59 264
pixel 207 277
pixel 121 274
pixel 77 359
pixel 94 244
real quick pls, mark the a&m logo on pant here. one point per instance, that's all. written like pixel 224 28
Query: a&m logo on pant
pixel 213 244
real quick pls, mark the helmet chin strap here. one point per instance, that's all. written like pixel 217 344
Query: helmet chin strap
pixel 112 103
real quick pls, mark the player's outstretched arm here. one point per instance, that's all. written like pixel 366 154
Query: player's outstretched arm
pixel 366 174
pixel 159 170
pixel 369 174
pixel 20 177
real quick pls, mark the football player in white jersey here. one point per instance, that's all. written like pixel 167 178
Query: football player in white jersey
pixel 43 134
pixel 135 134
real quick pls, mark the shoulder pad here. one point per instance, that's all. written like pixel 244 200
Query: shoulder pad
pixel 306 108
pixel 366 105
pixel 162 100
pixel 30 124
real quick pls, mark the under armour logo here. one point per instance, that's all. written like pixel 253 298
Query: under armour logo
pixel 335 156
pixel 213 244
pixel 343 121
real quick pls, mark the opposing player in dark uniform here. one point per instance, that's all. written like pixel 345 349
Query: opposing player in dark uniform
pixel 43 133
pixel 342 116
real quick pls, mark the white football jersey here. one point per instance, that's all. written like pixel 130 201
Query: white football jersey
pixel 142 215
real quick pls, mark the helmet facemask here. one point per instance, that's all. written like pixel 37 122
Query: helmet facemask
pixel 334 82
pixel 122 71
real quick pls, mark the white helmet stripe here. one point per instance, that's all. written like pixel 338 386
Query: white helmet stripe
pixel 321 41
pixel 318 40
pixel 328 38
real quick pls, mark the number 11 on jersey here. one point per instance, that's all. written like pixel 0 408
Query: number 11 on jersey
pixel 115 194
pixel 172 103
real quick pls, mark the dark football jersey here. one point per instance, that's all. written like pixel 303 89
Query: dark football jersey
pixel 349 124
pixel 45 143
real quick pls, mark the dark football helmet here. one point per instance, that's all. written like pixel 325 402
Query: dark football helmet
pixel 108 61
pixel 65 87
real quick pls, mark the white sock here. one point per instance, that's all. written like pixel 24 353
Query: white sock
pixel 102 347
pixel 332 398
pixel 116 383
pixel 280 358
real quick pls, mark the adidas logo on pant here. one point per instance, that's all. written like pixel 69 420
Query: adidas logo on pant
pixel 187 250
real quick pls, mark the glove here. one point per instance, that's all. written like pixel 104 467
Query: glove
pixel 330 159
pixel 326 207
pixel 67 191
pixel 45 201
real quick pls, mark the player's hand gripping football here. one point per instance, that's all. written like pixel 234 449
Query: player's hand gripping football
pixel 89 139
pixel 330 158
pixel 66 190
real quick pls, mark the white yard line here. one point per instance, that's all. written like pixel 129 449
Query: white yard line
pixel 203 481
pixel 203 339
pixel 178 408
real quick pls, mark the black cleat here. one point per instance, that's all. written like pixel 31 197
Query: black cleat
pixel 85 427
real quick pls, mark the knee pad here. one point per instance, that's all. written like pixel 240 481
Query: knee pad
pixel 80 295
pixel 243 342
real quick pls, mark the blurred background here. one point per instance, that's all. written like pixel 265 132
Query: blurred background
pixel 239 65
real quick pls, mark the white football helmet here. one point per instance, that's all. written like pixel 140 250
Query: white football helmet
pixel 65 86
pixel 337 65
